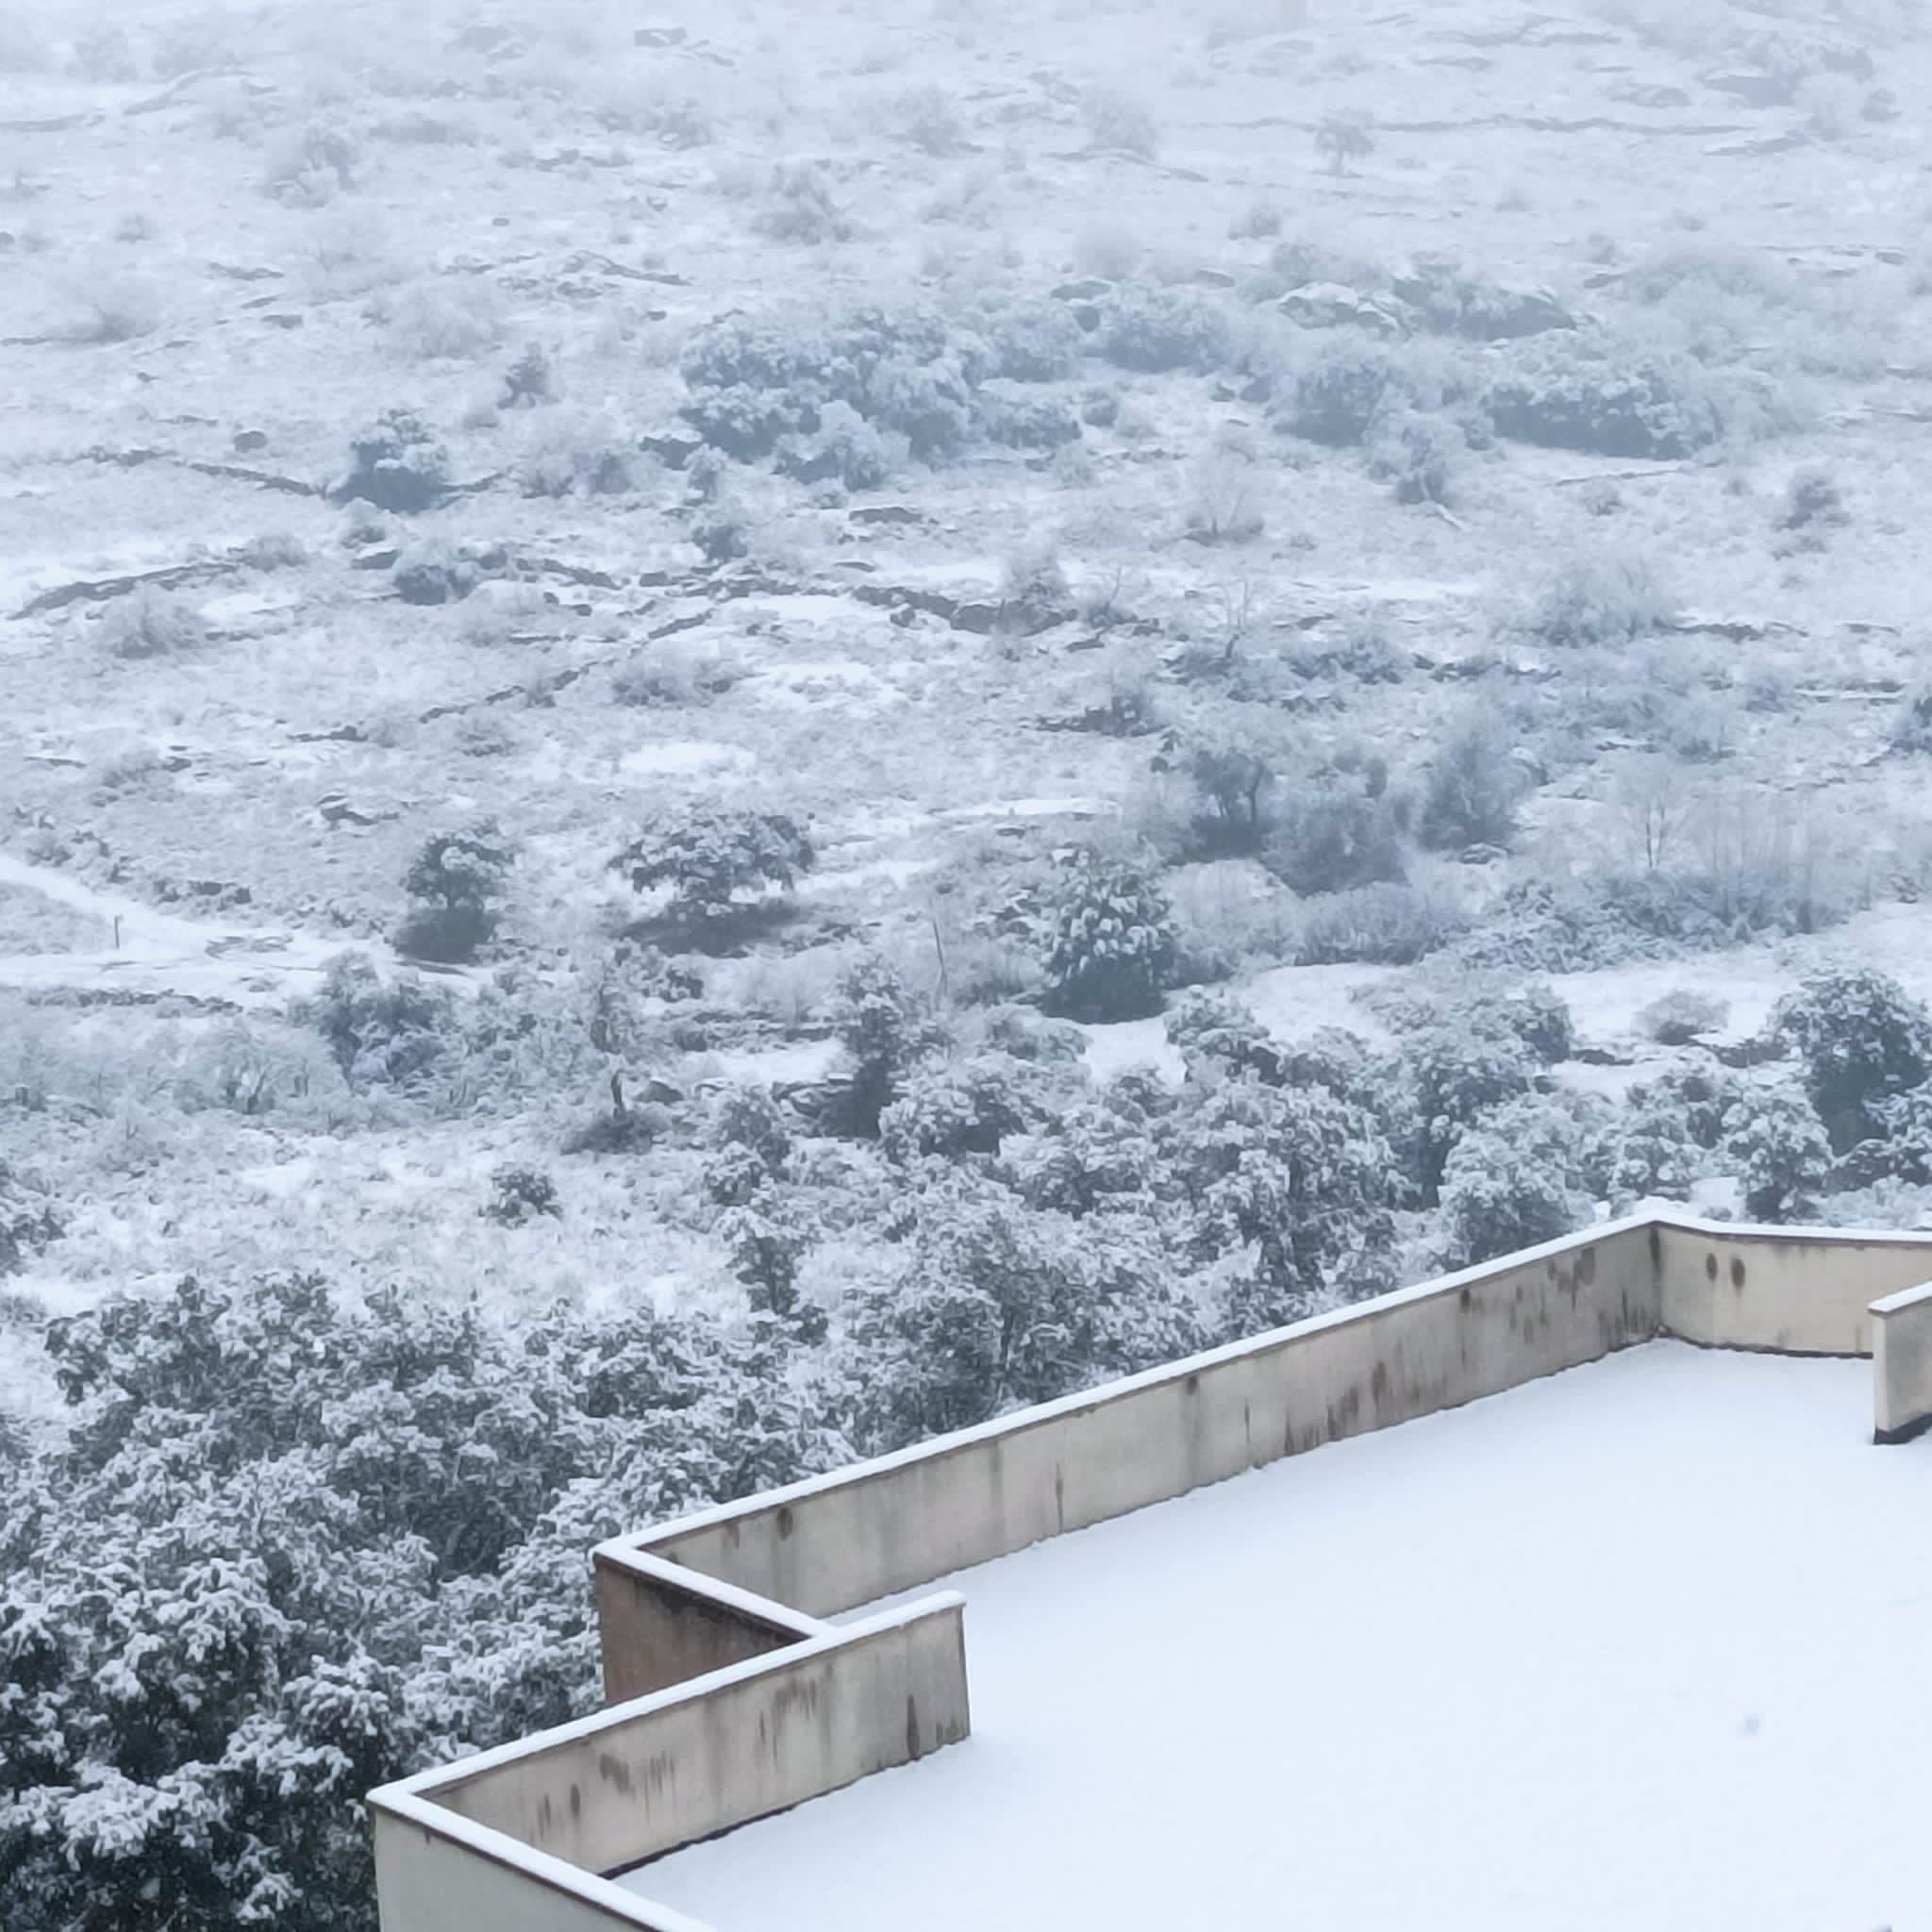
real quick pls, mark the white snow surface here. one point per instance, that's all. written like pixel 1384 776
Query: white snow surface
pixel 1638 1645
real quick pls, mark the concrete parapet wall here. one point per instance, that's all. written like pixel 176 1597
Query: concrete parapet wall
pixel 660 1624
pixel 835 1543
pixel 727 1747
pixel 434 1872
pixel 1902 1364
pixel 1793 1291
pixel 737 1699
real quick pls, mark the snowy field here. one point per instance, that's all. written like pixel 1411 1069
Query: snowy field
pixel 1638 1646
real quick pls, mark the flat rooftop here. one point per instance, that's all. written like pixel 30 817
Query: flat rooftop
pixel 1640 1645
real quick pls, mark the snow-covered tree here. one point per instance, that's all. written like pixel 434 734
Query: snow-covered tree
pixel 713 864
pixel 1110 940
pixel 1297 1180
pixel 1448 1075
pixel 950 1110
pixel 456 880
pixel 292 1547
pixel 885 1030
pixel 383 1032
pixel 1781 1152
pixel 1862 1040
pixel 997 1305
pixel 1520 1174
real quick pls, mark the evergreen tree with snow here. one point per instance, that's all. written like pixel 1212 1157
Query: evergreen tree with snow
pixel 1110 940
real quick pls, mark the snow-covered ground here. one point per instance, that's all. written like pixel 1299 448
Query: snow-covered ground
pixel 1638 1645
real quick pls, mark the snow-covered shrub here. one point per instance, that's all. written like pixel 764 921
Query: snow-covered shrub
pixel 715 864
pixel 383 1033
pixel 109 305
pixel 1538 1017
pixel 1343 137
pixel 928 401
pixel 927 118
pixel 529 380
pixel 1780 1151
pixel 722 529
pixel 151 623
pixel 843 448
pixel 1862 1040
pixel 1676 1019
pixel 1381 924
pixel 1148 328
pixel 1912 729
pixel 576 451
pixel 1600 602
pixel 948 1110
pixel 799 205
pixel 1120 122
pixel 1025 339
pixel 1470 788
pixel 766 1244
pixel 1230 778
pixel 438 320
pixel 520 1194
pixel 753 381
pixel 1109 940
pixel 750 1143
pixel 1218 1036
pixel 1448 297
pixel 1011 414
pixel 1034 591
pixel 1729 307
pixel 28 1220
pixel 1340 393
pixel 1420 455
pixel 311 167
pixel 1811 497
pixel 1260 221
pixel 104 54
pixel 1221 507
pixel 1696 1094
pixel 1652 1156
pixel 1336 831
pixel 274 550
pixel 433 571
pixel 1583 391
pixel 398 463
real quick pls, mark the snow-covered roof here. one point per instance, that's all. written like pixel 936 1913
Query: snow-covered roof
pixel 1640 1644
pixel 1610 1631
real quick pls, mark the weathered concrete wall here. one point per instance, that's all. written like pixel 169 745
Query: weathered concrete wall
pixel 1902 1364
pixel 836 1542
pixel 780 1707
pixel 430 1880
pixel 726 1748
pixel 660 1624
pixel 1794 1291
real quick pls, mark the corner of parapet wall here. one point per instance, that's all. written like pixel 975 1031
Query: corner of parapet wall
pixel 661 1623
pixel 1901 1365
pixel 1786 1291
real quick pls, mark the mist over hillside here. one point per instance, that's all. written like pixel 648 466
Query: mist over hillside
pixel 737 731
